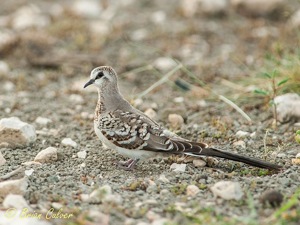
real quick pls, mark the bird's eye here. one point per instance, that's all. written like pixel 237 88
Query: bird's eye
pixel 99 75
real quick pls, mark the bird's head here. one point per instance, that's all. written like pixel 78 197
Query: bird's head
pixel 102 76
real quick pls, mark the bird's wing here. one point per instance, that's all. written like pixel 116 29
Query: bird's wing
pixel 133 131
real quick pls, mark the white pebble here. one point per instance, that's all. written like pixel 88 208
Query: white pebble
pixel 298 156
pixel 178 99
pixel 81 154
pixel 281 155
pixel 192 190
pixel 242 134
pixel 15 201
pixel 178 167
pixel 164 63
pixel 69 142
pixel 199 163
pixel 47 155
pixel 13 187
pixel 4 68
pixel 29 172
pixel 43 120
pixel 163 178
pixel 150 113
pixel 227 190
pixel 14 132
pixel 2 159
pixel 175 120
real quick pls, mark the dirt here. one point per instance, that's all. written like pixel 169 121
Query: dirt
pixel 49 66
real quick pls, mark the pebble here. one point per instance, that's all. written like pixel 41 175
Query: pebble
pixel 8 39
pixel 4 68
pixel 99 194
pixel 8 86
pixel 69 142
pixel 192 190
pixel 175 120
pixel 29 16
pixel 139 35
pixel 178 167
pixel 213 7
pixel 298 156
pixel 87 9
pixel 29 172
pixel 76 98
pixel 227 190
pixel 178 99
pixel 242 134
pixel 163 179
pixel 13 187
pixel 199 163
pixel 281 155
pixel 43 120
pixel 2 160
pixel 16 133
pixel 189 7
pixel 288 107
pixel 272 197
pixel 240 143
pixel 150 113
pixel 294 20
pixel 81 154
pixel 158 17
pixel 15 201
pixel 47 155
pixel 164 63
pixel 253 135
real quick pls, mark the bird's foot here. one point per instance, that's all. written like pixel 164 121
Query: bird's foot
pixel 127 165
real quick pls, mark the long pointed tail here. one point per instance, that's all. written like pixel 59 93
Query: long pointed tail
pixel 239 158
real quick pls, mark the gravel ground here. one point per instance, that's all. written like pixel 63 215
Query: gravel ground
pixel 152 193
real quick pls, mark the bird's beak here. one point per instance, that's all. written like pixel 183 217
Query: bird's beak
pixel 91 81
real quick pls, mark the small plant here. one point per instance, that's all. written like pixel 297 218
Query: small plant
pixel 272 91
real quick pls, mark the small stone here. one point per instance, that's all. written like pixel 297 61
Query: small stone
pixel 288 107
pixel 253 135
pixel 87 9
pixel 178 99
pixel 213 7
pixel 8 86
pixel 227 190
pixel 139 35
pixel 76 98
pixel 29 172
pixel 164 63
pixel 192 190
pixel 29 16
pixel 4 68
pixel 13 187
pixel 296 161
pixel 69 142
pixel 151 216
pixel 47 155
pixel 15 201
pixel 242 134
pixel 272 197
pixel 150 113
pixel 178 167
pixel 8 40
pixel 175 120
pixel 99 194
pixel 281 155
pixel 2 160
pixel 158 17
pixel 189 7
pixel 199 163
pixel 294 20
pixel 163 179
pixel 298 156
pixel 240 143
pixel 57 205
pixel 16 133
pixel 81 154
pixel 43 120
pixel 30 163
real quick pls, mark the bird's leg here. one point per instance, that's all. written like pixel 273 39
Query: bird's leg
pixel 128 165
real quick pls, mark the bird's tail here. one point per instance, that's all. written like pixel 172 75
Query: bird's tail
pixel 237 157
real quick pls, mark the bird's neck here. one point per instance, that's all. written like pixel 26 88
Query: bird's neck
pixel 109 99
